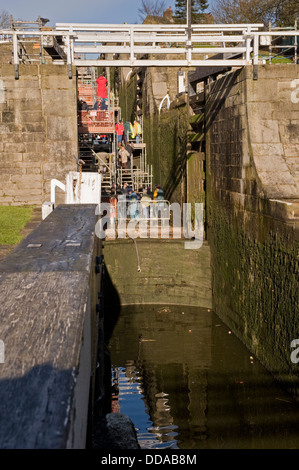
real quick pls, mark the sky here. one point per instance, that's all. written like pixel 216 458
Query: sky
pixel 77 11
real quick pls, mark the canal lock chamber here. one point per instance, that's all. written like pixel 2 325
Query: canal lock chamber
pixel 175 375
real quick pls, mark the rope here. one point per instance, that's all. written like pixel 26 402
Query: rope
pixel 138 261
pixel 80 178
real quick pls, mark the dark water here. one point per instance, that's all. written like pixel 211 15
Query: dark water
pixel 187 382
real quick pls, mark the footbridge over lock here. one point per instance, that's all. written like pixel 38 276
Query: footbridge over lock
pixel 127 45
pixel 146 45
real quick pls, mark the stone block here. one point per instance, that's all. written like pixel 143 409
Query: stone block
pixel 61 128
pixel 9 158
pixel 293 163
pixel 27 181
pixel 59 102
pixel 28 199
pixel 10 136
pixel 14 147
pixel 30 82
pixel 270 163
pixel 6 200
pixel 23 93
pixel 33 171
pixel 264 131
pixel 262 91
pixel 19 192
pixel 28 164
pixel 159 90
pixel 52 171
pixel 267 149
pixel 28 70
pixel 36 137
pixel 57 81
pixel 277 71
pixel 49 70
pixel 8 170
pixel 277 179
pixel 33 157
pixel 33 127
pixel 28 116
pixel 8 117
pixel 34 104
pixel 289 131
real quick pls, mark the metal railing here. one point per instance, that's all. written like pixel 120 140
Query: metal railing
pixel 142 45
pixel 136 177
pixel 142 210
pixel 95 121
pixel 134 43
pixel 147 45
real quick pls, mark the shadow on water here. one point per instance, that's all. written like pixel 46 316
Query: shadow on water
pixel 187 382
pixel 111 305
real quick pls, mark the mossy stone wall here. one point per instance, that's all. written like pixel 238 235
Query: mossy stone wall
pixel 127 99
pixel 166 139
pixel 253 239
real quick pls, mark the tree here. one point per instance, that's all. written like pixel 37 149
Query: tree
pixel 278 12
pixel 151 8
pixel 198 8
pixel 286 12
pixel 4 19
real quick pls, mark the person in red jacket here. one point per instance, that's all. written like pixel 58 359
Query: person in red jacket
pixel 119 130
pixel 102 86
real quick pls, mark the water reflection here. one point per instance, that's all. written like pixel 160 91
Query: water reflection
pixel 186 382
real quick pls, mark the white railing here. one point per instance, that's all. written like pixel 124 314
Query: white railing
pixel 148 45
pixel 137 45
pixel 143 210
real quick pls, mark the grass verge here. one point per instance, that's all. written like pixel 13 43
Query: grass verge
pixel 12 220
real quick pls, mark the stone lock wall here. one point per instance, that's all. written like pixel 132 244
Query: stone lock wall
pixel 38 131
pixel 253 211
pixel 161 271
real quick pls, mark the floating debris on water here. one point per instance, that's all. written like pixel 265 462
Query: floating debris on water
pixel 164 310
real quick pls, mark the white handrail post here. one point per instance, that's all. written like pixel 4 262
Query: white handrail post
pixel 54 183
pixel 16 55
pixel 132 57
pixel 255 49
pixel 69 54
pixel 189 34
pixel 248 45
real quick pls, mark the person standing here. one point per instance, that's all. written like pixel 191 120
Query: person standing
pixel 133 204
pixel 146 203
pixel 104 105
pixel 113 208
pixel 160 202
pixel 127 132
pixel 158 198
pixel 119 130
pixel 96 105
pixel 129 149
pixel 102 86
pixel 137 131
pixel 124 154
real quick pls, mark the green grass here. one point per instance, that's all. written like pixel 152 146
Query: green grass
pixel 12 221
pixel 276 59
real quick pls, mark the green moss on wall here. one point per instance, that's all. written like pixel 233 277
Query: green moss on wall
pixel 166 138
pixel 127 100
pixel 255 287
